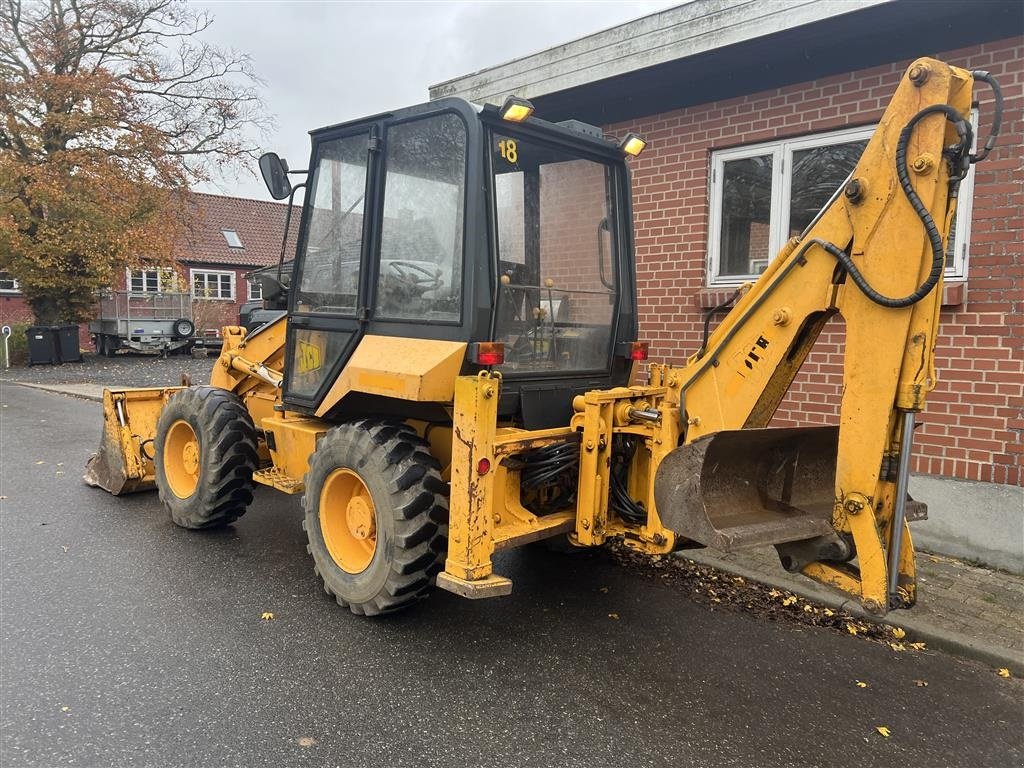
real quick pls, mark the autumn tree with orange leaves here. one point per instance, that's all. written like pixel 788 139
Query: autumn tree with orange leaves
pixel 109 111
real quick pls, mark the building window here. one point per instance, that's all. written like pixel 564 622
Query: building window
pixel 213 285
pixel 255 290
pixel 764 194
pixel 232 238
pixel 152 280
pixel 8 284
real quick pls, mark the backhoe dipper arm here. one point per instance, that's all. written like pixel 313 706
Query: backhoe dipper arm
pixel 875 256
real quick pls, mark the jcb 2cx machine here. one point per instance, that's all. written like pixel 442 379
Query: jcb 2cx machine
pixel 457 370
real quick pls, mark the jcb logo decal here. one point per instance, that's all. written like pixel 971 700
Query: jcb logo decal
pixel 754 356
pixel 309 357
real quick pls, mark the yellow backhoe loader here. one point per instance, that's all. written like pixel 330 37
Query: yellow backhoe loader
pixel 457 371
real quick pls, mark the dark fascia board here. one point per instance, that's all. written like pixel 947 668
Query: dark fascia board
pixel 875 36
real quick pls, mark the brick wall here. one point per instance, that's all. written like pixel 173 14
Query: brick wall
pixel 974 421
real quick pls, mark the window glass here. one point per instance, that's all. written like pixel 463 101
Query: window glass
pixel 255 290
pixel 764 194
pixel 744 240
pixel 556 260
pixel 329 280
pixel 8 283
pixel 816 174
pixel 213 285
pixel 155 280
pixel 422 228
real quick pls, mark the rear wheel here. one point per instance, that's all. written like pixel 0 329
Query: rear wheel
pixel 205 456
pixel 376 515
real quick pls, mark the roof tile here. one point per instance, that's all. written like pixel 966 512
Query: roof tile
pixel 259 224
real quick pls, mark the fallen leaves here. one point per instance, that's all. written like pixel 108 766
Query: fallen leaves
pixel 898 633
pixel 883 730
pixel 306 741
pixel 861 683
pixel 613 616
pixel 1003 672
pixel 921 683
pixel 917 646
pixel 719 590
pixel 267 616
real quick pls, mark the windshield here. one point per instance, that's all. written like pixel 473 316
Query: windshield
pixel 556 293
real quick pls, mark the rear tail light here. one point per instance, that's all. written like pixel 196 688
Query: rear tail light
pixel 487 353
pixel 633 350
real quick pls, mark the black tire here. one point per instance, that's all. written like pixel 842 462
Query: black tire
pixel 411 514
pixel 226 457
pixel 183 328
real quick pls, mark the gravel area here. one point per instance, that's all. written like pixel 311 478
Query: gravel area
pixel 125 370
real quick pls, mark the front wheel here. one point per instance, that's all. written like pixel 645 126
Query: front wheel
pixel 205 456
pixel 376 515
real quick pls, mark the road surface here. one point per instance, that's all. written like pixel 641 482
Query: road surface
pixel 128 642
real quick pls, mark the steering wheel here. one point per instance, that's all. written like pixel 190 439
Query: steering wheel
pixel 405 270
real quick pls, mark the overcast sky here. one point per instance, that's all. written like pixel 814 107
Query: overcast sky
pixel 327 62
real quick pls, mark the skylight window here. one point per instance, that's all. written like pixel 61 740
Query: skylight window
pixel 232 237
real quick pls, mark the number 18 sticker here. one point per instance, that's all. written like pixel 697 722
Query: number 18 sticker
pixel 509 150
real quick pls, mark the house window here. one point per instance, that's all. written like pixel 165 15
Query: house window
pixel 764 194
pixel 213 285
pixel 255 290
pixel 152 280
pixel 8 284
pixel 232 238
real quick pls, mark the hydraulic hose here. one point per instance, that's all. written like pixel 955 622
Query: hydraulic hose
pixel 997 114
pixel 959 158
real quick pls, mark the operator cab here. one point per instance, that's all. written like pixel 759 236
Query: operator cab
pixel 448 221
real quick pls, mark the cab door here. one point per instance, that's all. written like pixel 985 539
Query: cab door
pixel 327 311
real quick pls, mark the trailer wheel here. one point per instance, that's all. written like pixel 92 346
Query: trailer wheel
pixel 205 456
pixel 108 345
pixel 376 515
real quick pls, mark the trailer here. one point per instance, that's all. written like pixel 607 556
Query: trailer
pixel 144 322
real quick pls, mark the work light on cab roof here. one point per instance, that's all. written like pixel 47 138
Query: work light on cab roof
pixel 516 110
pixel 633 144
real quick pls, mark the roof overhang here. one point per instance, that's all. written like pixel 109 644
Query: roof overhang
pixel 708 50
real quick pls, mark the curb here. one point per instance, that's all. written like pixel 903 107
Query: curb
pixel 921 631
pixel 61 390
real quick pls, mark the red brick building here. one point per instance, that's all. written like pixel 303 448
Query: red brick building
pixel 226 238
pixel 754 114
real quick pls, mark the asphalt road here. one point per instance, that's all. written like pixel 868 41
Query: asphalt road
pixel 126 641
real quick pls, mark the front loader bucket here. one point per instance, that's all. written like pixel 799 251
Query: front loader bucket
pixel 750 487
pixel 124 462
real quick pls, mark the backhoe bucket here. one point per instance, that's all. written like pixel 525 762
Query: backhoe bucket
pixel 750 487
pixel 124 462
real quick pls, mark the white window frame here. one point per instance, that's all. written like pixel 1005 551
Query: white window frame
pixel 16 287
pixel 259 289
pixel 164 276
pixel 207 273
pixel 781 152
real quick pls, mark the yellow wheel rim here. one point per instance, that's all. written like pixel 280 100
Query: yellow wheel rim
pixel 181 459
pixel 348 520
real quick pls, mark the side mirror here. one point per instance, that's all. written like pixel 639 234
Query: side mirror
pixel 275 175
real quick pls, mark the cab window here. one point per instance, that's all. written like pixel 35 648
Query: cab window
pixel 421 232
pixel 329 282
